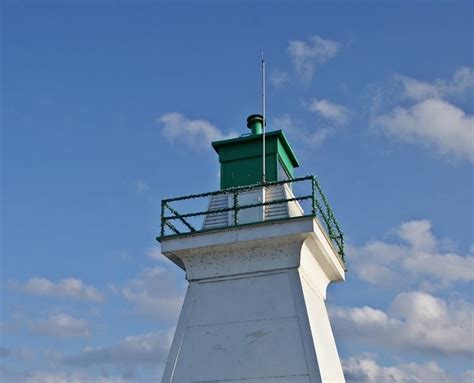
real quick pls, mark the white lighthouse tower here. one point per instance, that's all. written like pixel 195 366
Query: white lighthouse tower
pixel 258 260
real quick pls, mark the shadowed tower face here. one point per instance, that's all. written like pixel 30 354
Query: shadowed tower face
pixel 258 260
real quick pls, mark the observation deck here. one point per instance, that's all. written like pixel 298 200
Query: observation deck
pixel 257 204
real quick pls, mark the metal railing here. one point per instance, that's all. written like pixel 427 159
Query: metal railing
pixel 319 208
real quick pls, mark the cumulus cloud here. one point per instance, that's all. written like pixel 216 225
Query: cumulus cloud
pixel 296 130
pixel 331 111
pixel 434 124
pixel 431 119
pixel 155 253
pixel 307 55
pixel 419 258
pixel 54 324
pixel 195 134
pixel 279 78
pixel 414 321
pixel 157 293
pixel 59 325
pixel 364 369
pixel 462 80
pixel 331 115
pixel 285 122
pixel 65 288
pixel 418 234
pixel 145 349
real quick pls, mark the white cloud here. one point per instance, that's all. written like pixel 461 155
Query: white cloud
pixel 65 288
pixel 467 377
pixel 195 134
pixel 417 90
pixel 418 234
pixel 157 293
pixel 420 259
pixel 333 112
pixel 59 325
pixel 430 119
pixel 307 55
pixel 318 137
pixel 364 369
pixel 300 134
pixel 278 78
pixel 286 123
pixel 462 80
pixel 333 115
pixel 155 253
pixel 145 349
pixel 414 321
pixel 433 123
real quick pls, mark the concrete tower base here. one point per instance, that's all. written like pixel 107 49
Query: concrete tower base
pixel 254 310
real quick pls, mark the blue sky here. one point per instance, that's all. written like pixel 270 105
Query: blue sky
pixel 108 107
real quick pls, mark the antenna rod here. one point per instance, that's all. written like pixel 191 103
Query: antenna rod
pixel 263 115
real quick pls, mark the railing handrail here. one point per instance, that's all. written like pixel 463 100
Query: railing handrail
pixel 238 189
pixel 238 207
pixel 319 205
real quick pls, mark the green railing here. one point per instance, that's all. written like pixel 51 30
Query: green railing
pixel 319 208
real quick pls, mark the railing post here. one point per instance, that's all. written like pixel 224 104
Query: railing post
pixel 162 232
pixel 313 193
pixel 236 208
pixel 342 249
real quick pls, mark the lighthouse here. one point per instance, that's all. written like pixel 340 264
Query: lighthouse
pixel 258 254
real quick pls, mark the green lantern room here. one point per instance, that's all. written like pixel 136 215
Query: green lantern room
pixel 245 196
pixel 241 158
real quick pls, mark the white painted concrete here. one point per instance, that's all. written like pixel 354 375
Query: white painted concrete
pixel 254 310
pixel 215 220
pixel 255 214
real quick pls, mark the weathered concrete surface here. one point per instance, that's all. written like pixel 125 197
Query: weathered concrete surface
pixel 254 310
